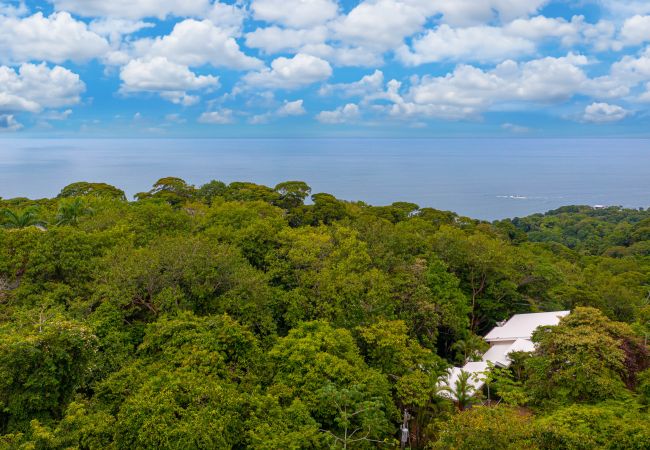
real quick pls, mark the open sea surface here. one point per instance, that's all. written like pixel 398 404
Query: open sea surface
pixel 481 178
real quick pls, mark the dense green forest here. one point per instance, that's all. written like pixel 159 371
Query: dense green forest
pixel 244 316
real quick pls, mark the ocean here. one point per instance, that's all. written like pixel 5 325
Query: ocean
pixel 480 178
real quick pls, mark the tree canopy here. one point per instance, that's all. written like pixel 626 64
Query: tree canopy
pixel 246 316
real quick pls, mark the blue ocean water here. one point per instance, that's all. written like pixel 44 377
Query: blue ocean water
pixel 480 178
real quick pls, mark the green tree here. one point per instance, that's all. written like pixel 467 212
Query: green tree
pixel 292 194
pixel 487 428
pixel 83 189
pixel 586 358
pixel 27 217
pixel 41 367
pixel 172 190
pixel 70 211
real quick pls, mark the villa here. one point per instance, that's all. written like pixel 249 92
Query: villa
pixel 515 335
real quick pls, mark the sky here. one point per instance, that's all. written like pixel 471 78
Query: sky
pixel 324 68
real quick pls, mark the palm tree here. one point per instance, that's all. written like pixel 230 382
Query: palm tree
pixel 71 211
pixel 27 217
pixel 462 392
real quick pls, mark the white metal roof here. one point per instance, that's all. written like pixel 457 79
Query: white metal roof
pixel 476 368
pixel 522 326
pixel 499 351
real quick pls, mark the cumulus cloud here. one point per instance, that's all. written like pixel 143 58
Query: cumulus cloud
pixel 604 113
pixel 295 13
pixel 342 114
pixel 636 30
pixel 367 85
pixel 291 73
pixel 9 123
pixel 222 117
pixel 133 9
pixel 56 38
pixel 162 76
pixel 469 91
pixel 480 43
pixel 33 88
pixel 472 12
pixel 381 25
pixel 115 29
pixel 294 108
pixel 275 39
pixel 13 9
pixel 195 43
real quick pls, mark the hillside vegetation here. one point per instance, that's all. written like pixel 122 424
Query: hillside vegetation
pixel 250 317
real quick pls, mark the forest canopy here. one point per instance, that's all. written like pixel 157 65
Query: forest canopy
pixel 246 316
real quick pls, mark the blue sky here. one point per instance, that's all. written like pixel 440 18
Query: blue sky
pixel 282 68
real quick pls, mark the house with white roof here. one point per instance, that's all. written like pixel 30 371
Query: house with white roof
pixel 515 335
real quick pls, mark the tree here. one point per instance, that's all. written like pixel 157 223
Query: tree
pixel 172 190
pixel 292 194
pixel 83 189
pixel 41 367
pixel 27 217
pixel 316 361
pixel 586 358
pixel 487 428
pixel 609 425
pixel 71 210
pixel 209 191
pixel 462 391
pixel 359 420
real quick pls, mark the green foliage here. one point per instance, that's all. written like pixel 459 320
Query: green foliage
pixel 485 428
pixel 171 190
pixel 83 189
pixel 41 368
pixel 603 426
pixel 587 358
pixel 245 316
pixel 27 217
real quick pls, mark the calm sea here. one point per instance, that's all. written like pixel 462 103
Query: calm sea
pixel 481 178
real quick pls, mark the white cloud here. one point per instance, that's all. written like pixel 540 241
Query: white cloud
pixel 56 115
pixel 513 128
pixel 275 39
pixel 223 117
pixel 645 97
pixel 295 13
pixel 480 43
pixel 369 84
pixel 541 27
pixel 604 113
pixel 133 9
pixel 342 114
pixel 195 43
pixel 13 9
pixel 636 30
pixel 9 123
pixel 472 12
pixel 294 108
pixel 115 29
pixel 469 91
pixel 381 25
pixel 625 8
pixel 291 73
pixel 342 55
pixel 56 38
pixel 35 87
pixel 227 16
pixel 162 76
